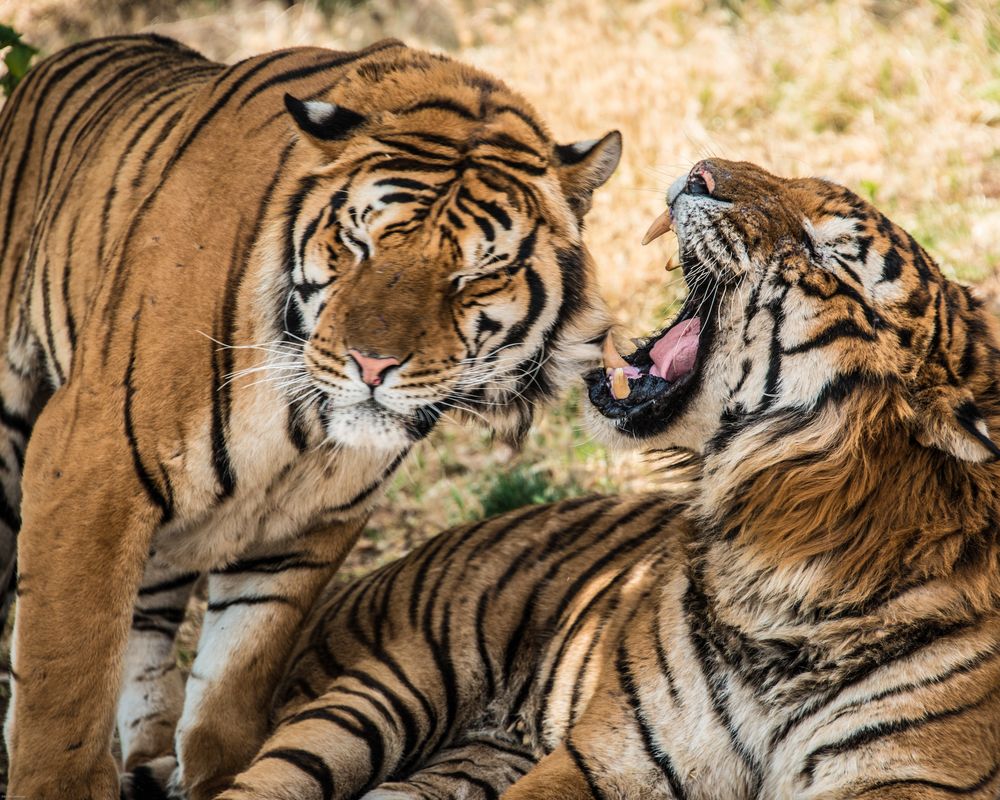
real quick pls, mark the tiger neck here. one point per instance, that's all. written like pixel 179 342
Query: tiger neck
pixel 846 514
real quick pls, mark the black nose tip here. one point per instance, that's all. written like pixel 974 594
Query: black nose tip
pixel 697 182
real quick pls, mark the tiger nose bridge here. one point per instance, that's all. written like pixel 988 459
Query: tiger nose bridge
pixel 388 315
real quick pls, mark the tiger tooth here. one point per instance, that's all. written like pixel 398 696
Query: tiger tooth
pixel 660 226
pixel 612 358
pixel 619 384
pixel 672 263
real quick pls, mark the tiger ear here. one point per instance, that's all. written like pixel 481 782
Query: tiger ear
pixel 951 421
pixel 321 121
pixel 584 166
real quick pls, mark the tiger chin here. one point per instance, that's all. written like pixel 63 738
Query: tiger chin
pixel 818 617
pixel 236 296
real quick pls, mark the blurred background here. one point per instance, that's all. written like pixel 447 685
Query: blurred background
pixel 897 99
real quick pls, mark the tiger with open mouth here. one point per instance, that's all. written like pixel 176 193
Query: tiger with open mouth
pixel 818 618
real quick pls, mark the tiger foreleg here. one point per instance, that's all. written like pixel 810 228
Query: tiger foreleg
pixel 80 557
pixel 255 607
pixel 480 766
pixel 153 689
pixel 17 394
pixel 342 743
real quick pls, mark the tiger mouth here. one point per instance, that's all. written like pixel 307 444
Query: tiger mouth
pixel 641 392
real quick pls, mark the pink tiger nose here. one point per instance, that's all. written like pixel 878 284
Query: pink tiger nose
pixel 373 369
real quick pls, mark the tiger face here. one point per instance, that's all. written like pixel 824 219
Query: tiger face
pixel 799 293
pixel 435 255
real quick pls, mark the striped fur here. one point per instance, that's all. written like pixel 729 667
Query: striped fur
pixel 200 264
pixel 816 616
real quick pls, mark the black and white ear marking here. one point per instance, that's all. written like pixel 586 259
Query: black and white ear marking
pixel 584 166
pixel 322 120
pixel 572 153
pixel 598 157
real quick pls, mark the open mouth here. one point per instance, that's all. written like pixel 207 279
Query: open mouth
pixel 642 392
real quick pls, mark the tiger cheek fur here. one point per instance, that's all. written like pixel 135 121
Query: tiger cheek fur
pixel 236 296
pixel 815 616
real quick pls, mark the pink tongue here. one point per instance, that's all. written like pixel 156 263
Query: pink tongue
pixel 674 355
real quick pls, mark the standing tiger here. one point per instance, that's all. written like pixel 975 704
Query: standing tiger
pixel 817 617
pixel 234 298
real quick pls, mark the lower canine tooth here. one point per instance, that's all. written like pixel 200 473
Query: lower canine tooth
pixel 619 384
pixel 612 358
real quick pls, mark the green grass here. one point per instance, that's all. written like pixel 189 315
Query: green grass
pixel 522 486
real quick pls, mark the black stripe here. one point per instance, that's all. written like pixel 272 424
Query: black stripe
pixel 439 104
pixel 695 605
pixel 363 729
pixel 67 272
pixel 506 142
pixel 413 150
pixel 309 763
pixel 221 360
pixel 272 565
pixel 536 288
pixel 525 118
pixel 219 606
pixel 845 329
pixel 658 755
pixel 872 733
pixel 305 72
pixel 14 421
pixel 172 583
pixel 901 642
pixel 47 324
pixel 949 788
pixel 518 166
pixel 585 770
pixel 149 152
pixel 141 125
pixel 403 183
pixel 145 478
pixel 373 487
pixel 173 614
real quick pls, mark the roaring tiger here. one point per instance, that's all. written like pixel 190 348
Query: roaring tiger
pixel 234 298
pixel 816 615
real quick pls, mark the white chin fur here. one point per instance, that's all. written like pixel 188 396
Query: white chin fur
pixel 366 429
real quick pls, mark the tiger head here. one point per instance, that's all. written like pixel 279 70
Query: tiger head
pixel 804 300
pixel 434 251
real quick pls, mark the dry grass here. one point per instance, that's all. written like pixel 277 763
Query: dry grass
pixel 899 100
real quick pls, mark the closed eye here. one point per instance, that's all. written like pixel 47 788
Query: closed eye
pixel 494 266
pixel 360 248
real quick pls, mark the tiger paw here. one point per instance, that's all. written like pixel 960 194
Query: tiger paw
pixel 153 780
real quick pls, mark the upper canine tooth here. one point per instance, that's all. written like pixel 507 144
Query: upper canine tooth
pixel 619 384
pixel 612 358
pixel 660 226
